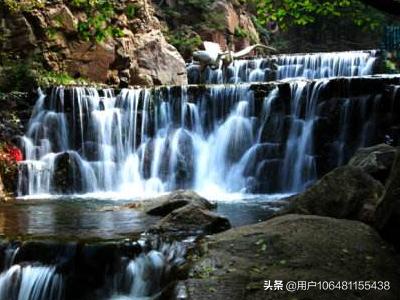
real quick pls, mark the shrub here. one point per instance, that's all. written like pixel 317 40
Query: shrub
pixel 9 158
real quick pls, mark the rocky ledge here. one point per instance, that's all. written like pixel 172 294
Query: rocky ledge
pixel 343 228
pixel 236 263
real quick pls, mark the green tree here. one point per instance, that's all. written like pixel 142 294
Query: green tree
pixel 287 13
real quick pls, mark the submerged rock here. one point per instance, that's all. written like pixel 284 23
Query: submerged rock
pixel 292 248
pixel 346 193
pixel 164 205
pixel 192 219
pixel 376 160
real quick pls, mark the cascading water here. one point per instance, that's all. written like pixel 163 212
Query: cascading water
pixel 146 276
pixel 31 283
pixel 214 139
pixel 277 67
pixel 136 143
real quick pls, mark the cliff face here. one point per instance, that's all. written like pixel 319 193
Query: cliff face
pixel 229 23
pixel 137 55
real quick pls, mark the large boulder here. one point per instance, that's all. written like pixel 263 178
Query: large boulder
pixel 388 209
pixel 90 61
pixel 157 62
pixel 192 220
pixel 165 204
pixel 376 160
pixel 68 175
pixel 292 248
pixel 346 192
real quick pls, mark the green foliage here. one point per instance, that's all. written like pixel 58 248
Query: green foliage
pixel 132 10
pixel 17 6
pixel 49 78
pixel 17 74
pixel 182 29
pixel 98 25
pixel 289 13
pixel 240 32
pixel 185 40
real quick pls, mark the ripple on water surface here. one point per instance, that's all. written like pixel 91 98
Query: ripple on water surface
pixel 106 217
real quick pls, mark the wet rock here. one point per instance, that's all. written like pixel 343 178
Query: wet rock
pixel 67 177
pixel 376 161
pixel 164 205
pixel 292 248
pixel 346 193
pixel 85 265
pixel 388 210
pixel 192 219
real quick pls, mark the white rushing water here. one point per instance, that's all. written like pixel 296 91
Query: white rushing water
pixel 215 140
pixel 148 274
pixel 31 283
pixel 278 67
pixel 109 143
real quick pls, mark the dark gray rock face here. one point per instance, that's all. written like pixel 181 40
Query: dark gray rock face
pixel 236 263
pixel 346 193
pixel 376 160
pixel 192 219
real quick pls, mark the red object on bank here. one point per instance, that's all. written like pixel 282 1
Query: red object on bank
pixel 15 153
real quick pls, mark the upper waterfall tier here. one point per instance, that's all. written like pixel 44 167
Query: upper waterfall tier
pixel 277 67
pixel 266 137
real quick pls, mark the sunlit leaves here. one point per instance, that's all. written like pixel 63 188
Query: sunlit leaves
pixel 288 13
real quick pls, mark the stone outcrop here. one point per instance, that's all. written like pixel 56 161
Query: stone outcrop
pixel 184 213
pixel 228 23
pixel 388 210
pixel 235 20
pixel 234 264
pixel 376 161
pixel 192 220
pixel 346 193
pixel 141 56
pixel 164 205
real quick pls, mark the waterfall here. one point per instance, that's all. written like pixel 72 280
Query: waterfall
pixel 214 139
pixel 298 164
pixel 325 65
pixel 136 143
pixel 31 283
pixel 147 275
pixel 278 67
pixel 249 136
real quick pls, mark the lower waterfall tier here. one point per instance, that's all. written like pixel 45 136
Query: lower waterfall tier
pixel 274 137
pixel 38 270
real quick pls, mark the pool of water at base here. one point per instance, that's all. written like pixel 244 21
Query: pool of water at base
pixel 106 217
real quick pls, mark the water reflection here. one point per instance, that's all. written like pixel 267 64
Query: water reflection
pixel 85 218
pixel 70 218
